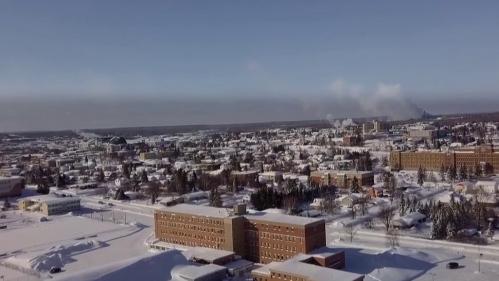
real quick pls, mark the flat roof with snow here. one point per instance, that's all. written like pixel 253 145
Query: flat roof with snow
pixel 62 200
pixel 193 272
pixel 208 254
pixel 282 218
pixel 198 210
pixel 309 271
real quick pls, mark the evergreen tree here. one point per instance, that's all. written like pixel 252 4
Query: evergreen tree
pixel 143 176
pixel 403 205
pixel 355 186
pixel 452 173
pixel 462 173
pixel 126 170
pixel 421 176
pixel 442 172
pixel 101 177
pixel 478 170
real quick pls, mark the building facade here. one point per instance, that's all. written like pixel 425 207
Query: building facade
pixel 11 186
pixel 59 206
pixel 487 157
pixel 341 179
pixel 259 238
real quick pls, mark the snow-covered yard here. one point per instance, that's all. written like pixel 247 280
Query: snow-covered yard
pixel 71 242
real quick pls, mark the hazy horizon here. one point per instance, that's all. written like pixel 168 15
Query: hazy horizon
pixel 100 64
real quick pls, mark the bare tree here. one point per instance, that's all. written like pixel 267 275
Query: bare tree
pixel 153 190
pixel 350 231
pixel 385 215
pixel 290 203
pixel 329 205
pixel 392 237
pixel 362 202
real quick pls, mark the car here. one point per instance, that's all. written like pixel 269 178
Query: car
pixel 452 265
pixel 110 204
pixel 55 269
pixel 100 202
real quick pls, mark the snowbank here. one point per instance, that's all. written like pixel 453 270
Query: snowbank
pixel 155 267
pixel 56 256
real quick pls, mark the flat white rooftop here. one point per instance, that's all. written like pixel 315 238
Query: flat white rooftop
pixel 198 210
pixel 282 218
pixel 207 254
pixel 313 272
pixel 214 212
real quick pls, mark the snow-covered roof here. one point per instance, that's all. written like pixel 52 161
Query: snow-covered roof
pixel 312 272
pixel 193 272
pixel 207 254
pixel 198 210
pixel 62 200
pixel 281 218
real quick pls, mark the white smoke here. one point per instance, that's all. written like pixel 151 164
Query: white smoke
pixel 383 100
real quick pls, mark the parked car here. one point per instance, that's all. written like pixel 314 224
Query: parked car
pixel 452 265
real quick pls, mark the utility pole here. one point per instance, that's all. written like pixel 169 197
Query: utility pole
pixel 479 258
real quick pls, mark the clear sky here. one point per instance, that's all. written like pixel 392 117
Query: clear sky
pixel 107 50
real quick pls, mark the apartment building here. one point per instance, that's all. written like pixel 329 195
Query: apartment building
pixel 259 238
pixel 341 179
pixel 485 156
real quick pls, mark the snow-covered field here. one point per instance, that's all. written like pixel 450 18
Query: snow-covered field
pixel 405 264
pixel 91 249
pixel 71 242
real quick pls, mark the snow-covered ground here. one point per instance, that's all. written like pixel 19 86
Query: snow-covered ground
pixel 71 242
pixel 92 247
pixel 405 264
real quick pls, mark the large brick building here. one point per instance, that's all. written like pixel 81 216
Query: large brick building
pixel 261 238
pixel 484 156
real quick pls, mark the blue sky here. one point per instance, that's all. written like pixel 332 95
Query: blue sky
pixel 247 47
pixel 190 49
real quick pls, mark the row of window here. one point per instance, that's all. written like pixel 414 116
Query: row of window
pixel 191 227
pixel 191 243
pixel 190 219
pixel 202 237
pixel 285 277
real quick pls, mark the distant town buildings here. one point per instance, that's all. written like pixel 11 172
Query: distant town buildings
pixel 341 179
pixel 486 157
